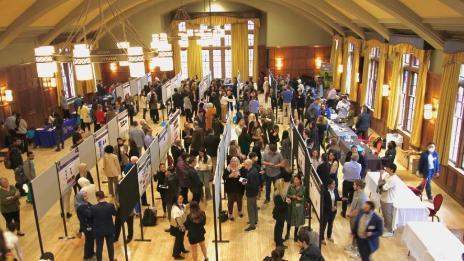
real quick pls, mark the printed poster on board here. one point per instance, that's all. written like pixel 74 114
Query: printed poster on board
pixel 144 172
pixel 174 123
pixel 101 140
pixel 68 168
pixel 164 142
pixel 125 89
pixel 123 124
pixel 301 157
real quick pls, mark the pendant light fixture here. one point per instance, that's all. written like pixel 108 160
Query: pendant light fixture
pixel 136 61
pixel 46 66
pixel 82 63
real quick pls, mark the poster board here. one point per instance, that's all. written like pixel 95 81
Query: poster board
pixel 174 124
pixel 315 192
pixel 217 188
pixel 46 191
pixel 113 131
pixel 154 155
pixel 128 193
pixel 164 141
pixel 87 152
pixel 166 91
pixel 101 140
pixel 144 171
pixel 126 89
pixel 149 79
pixel 123 124
pixel 68 168
pixel 143 81
pixel 133 87
pixel 301 157
pixel 119 91
pixel 204 85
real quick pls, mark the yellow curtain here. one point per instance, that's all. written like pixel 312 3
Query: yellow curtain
pixel 416 133
pixel 353 92
pixel 395 86
pixel 218 20
pixel 355 70
pixel 255 55
pixel 336 59
pixel 446 104
pixel 240 50
pixel 176 51
pixel 369 45
pixel 194 59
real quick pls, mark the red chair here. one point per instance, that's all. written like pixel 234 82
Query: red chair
pixel 437 201
pixel 418 191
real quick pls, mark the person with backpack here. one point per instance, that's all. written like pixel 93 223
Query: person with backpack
pixel 29 173
pixel 58 124
pixel 14 161
pixel 152 99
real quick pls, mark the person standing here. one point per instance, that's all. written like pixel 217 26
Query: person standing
pixel 188 108
pixel 287 97
pixel 244 141
pixel 86 119
pixel 363 123
pixel 267 89
pixel 296 217
pixel 361 159
pixel 99 118
pixel 323 170
pixel 252 183
pixel 137 135
pixel 103 226
pixel 389 192
pixel 198 139
pixel 111 168
pixel 367 228
pixel 9 204
pixel 233 187
pixel 177 228
pixel 212 141
pixel 152 100
pixel 203 167
pixel 280 212
pixel 271 161
pixel 16 162
pixel 343 106
pixel 351 172
pixel 58 124
pixel 286 145
pixel 29 173
pixel 121 150
pixel 429 167
pixel 21 131
pixel 195 184
pixel 359 198
pixel 172 183
pixel 84 214
pixel 195 225
pixel 331 197
pixel 309 251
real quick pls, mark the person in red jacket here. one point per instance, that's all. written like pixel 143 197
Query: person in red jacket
pixel 99 117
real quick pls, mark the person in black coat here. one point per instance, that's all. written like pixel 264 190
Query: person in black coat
pixel 252 182
pixel 323 170
pixel 176 151
pixel 308 250
pixel 280 212
pixel 390 154
pixel 84 214
pixel 361 159
pixel 178 100
pixel 162 186
pixel 195 225
pixel 196 186
pixel 329 209
pixel 102 214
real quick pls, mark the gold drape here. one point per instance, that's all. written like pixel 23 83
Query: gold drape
pixel 194 63
pixel 369 45
pixel 395 88
pixel 446 104
pixel 336 59
pixel 240 50
pixel 176 52
pixel 354 68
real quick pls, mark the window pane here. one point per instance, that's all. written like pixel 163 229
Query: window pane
pixel 227 40
pixel 217 64
pixel 227 27
pixel 250 62
pixel 205 62
pixel 251 39
pixel 251 25
pixel 228 63
pixel 184 64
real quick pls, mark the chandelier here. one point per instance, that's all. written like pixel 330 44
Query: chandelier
pixel 46 66
pixel 164 59
pixel 82 64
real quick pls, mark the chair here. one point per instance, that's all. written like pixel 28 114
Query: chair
pixel 418 191
pixel 437 201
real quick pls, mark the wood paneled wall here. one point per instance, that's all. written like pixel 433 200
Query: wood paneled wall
pixel 32 101
pixel 121 74
pixel 298 60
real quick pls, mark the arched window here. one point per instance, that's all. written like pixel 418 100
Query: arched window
pixel 456 154
pixel 408 92
pixel 372 76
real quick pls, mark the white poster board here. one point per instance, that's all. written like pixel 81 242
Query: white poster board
pixel 164 141
pixel 174 124
pixel 204 85
pixel 315 195
pixel 126 89
pixel 123 124
pixel 113 131
pixel 101 140
pixel 68 168
pixel 144 81
pixel 301 157
pixel 133 87
pixel 119 91
pixel 46 191
pixel 87 152
pixel 144 172
pixel 166 91
pixel 154 155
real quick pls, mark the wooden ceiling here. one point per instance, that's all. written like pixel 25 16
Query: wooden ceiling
pixel 436 21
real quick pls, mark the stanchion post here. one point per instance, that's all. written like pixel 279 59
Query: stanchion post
pixel 63 214
pixel 321 234
pixel 124 240
pixel 216 249
pixel 98 172
pixel 37 225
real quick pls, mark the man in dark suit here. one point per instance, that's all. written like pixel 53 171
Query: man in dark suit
pixel 103 226
pixel 323 170
pixel 329 211
pixel 367 229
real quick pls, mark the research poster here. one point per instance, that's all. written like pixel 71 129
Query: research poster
pixel 204 85
pixel 68 168
pixel 164 143
pixel 174 123
pixel 101 140
pixel 144 172
pixel 301 157
pixel 123 124
pixel 315 195
pixel 126 89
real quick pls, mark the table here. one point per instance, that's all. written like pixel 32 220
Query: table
pixel 374 163
pixel 407 206
pixel 341 132
pixel 46 137
pixel 431 241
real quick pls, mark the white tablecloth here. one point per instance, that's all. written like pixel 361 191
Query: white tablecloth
pixel 407 206
pixel 431 241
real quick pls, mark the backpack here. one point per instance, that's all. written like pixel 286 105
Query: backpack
pixel 149 217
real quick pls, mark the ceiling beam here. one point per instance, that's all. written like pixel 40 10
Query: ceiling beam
pixel 411 20
pixel 308 12
pixel 329 10
pixel 113 10
pixel 69 20
pixel 456 5
pixel 22 22
pixel 368 19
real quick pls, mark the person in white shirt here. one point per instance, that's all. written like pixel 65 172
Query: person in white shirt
pixel 343 106
pixel 266 89
pixel 177 227
pixel 203 167
pixel 389 190
pixel 332 97
pixel 12 241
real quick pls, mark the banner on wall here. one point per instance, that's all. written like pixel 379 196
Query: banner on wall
pixel 164 142
pixel 174 124
pixel 326 74
pixel 101 140
pixel 204 85
pixel 144 172
pixel 68 168
pixel 123 124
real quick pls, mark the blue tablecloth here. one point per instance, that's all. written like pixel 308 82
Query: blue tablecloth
pixel 46 137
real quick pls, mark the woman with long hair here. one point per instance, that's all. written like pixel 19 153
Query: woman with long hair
pixel 315 158
pixel 286 145
pixel 203 167
pixel 233 187
pixel 195 225
pixel 177 227
pixel 280 211
pixel 296 218
pixel 244 141
pixel 333 161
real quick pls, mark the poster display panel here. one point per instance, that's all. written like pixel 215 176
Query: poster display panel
pixel 174 124
pixel 119 91
pixel 101 140
pixel 126 89
pixel 315 194
pixel 68 168
pixel 133 87
pixel 144 171
pixel 87 152
pixel 164 142
pixel 128 193
pixel 46 190
pixel 301 157
pixel 123 124
pixel 113 131
pixel 154 155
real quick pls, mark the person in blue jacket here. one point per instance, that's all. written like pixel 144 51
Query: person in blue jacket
pixel 429 167
pixel 367 228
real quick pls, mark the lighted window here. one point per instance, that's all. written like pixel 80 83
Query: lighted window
pixel 182 27
pixel 250 62
pixel 456 142
pixel 228 63
pixel 205 62
pixel 251 40
pixel 217 64
pixel 67 77
pixel 372 76
pixel 184 64
pixel 228 40
pixel 408 92
pixel 227 27
pixel 349 67
pixel 217 42
pixel 251 25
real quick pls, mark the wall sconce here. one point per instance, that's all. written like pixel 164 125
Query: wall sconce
pixel 49 82
pixel 318 62
pixel 385 90
pixel 6 96
pixel 279 63
pixel 428 111
pixel 340 68
pixel 357 77
pixel 113 67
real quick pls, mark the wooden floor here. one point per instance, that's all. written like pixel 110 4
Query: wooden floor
pixel 242 245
